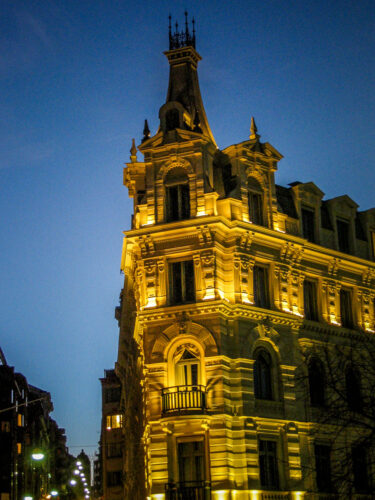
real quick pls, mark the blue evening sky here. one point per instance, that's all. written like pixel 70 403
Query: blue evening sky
pixel 77 80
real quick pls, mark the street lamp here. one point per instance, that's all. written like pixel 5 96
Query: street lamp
pixel 37 455
pixel 54 493
pixel 73 482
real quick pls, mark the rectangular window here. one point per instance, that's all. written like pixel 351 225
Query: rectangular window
pixel 310 300
pixel 178 202
pixel 114 450
pixel 112 394
pixel 360 469
pixel 191 461
pixel 181 282
pixel 346 308
pixel 114 478
pixel 255 208
pixel 19 448
pixel 323 468
pixel 268 468
pixel 261 288
pixel 20 420
pixel 5 426
pixel 113 422
pixel 308 224
pixel 343 235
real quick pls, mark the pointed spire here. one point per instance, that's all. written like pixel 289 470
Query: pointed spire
pixel 146 132
pixel 181 38
pixel 133 152
pixel 253 130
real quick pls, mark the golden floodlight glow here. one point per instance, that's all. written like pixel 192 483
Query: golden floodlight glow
pixel 254 494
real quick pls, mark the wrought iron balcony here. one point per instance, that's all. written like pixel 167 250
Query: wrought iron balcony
pixel 184 398
pixel 188 490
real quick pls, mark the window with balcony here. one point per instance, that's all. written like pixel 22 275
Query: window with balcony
pixel 346 308
pixel 181 282
pixel 323 468
pixel 113 422
pixel 308 224
pixel 188 393
pixel 261 287
pixel 263 376
pixel 310 300
pixel 190 461
pixel 255 199
pixel 343 235
pixel 177 195
pixel 316 383
pixel 353 389
pixel 268 464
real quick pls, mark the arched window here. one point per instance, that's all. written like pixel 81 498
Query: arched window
pixel 177 195
pixel 263 376
pixel 255 196
pixel 353 389
pixel 316 383
pixel 188 369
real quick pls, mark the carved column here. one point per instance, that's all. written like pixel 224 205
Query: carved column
pixel 150 276
pixel 161 283
pixel 208 274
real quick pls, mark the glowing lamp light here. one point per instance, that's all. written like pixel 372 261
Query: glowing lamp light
pixel 54 493
pixel 37 455
pixel 80 467
pixel 28 497
pixel 73 482
pixel 78 462
pixel 82 474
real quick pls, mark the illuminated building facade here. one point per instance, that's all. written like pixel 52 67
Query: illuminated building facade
pixel 231 282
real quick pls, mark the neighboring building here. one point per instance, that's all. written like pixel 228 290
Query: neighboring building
pixel 232 286
pixel 26 428
pixel 111 441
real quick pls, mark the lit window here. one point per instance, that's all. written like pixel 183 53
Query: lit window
pixel 20 420
pixel 181 282
pixel 19 448
pixel 269 474
pixel 310 300
pixel 114 422
pixel 261 287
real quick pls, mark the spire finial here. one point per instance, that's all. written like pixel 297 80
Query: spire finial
pixel 146 132
pixel 179 39
pixel 186 24
pixel 253 129
pixel 133 152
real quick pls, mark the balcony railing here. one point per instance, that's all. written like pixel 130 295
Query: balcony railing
pixel 188 490
pixel 184 398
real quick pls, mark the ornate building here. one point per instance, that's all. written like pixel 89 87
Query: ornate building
pixel 237 291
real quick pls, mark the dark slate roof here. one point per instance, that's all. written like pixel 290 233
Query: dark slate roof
pixel 285 201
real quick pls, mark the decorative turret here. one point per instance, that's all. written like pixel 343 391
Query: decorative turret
pixel 184 107
pixel 253 130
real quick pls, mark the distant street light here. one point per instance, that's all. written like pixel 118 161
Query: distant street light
pixel 54 493
pixel 37 455
pixel 73 482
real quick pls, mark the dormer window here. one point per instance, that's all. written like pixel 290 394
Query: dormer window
pixel 308 224
pixel 255 197
pixel 177 195
pixel 343 235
